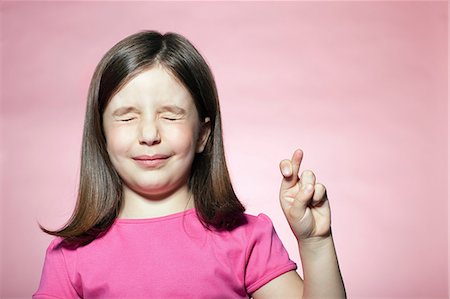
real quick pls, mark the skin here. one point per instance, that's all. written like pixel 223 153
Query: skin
pixel 151 129
pixel 164 120
pixel 308 214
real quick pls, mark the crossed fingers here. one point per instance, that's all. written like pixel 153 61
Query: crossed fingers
pixel 308 192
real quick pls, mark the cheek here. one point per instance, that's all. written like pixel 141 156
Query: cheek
pixel 180 138
pixel 119 140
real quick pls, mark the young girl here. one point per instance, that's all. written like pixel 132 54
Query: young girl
pixel 156 215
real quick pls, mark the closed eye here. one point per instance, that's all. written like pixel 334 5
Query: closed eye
pixel 170 118
pixel 125 120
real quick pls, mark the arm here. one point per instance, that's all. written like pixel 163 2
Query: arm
pixel 308 215
pixel 321 269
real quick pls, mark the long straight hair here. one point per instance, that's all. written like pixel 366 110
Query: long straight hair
pixel 100 193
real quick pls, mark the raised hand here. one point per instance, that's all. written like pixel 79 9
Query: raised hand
pixel 304 202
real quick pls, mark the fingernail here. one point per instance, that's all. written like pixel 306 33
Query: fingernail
pixel 286 170
pixel 309 187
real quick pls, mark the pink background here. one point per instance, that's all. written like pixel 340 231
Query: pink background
pixel 361 87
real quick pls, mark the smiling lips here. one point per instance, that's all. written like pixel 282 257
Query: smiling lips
pixel 151 161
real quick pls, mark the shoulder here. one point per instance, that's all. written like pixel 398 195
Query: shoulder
pixel 58 273
pixel 261 217
pixel 55 245
pixel 258 232
pixel 258 223
pixel 252 225
pixel 266 256
pixel 252 230
pixel 259 229
pixel 59 254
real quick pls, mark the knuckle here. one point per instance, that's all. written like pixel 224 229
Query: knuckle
pixel 308 173
pixel 320 186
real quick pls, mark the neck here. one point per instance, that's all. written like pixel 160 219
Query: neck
pixel 136 205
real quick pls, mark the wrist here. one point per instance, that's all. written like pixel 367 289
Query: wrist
pixel 316 249
pixel 316 243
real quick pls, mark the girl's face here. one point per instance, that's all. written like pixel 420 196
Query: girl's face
pixel 152 132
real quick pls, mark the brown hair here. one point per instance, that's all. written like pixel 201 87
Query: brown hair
pixel 100 189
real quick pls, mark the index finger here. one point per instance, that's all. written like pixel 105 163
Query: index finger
pixel 297 158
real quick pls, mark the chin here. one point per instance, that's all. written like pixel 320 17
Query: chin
pixel 155 189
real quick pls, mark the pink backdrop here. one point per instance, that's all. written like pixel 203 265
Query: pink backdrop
pixel 361 87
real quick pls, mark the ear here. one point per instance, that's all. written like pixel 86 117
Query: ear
pixel 205 130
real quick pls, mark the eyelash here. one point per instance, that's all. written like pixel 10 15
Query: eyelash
pixel 126 120
pixel 168 118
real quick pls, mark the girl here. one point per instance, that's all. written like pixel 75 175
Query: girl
pixel 156 215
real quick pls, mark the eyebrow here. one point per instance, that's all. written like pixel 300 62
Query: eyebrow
pixel 128 109
pixel 174 109
pixel 124 110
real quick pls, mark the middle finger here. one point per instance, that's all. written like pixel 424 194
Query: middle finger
pixel 307 177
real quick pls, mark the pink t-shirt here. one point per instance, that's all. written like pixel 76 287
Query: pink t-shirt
pixel 171 256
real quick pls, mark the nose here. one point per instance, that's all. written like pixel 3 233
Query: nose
pixel 149 132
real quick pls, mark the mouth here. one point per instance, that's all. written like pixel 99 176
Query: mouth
pixel 152 161
pixel 150 157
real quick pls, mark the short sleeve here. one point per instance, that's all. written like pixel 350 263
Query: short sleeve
pixel 55 281
pixel 266 256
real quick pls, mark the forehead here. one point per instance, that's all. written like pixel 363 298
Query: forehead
pixel 151 88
